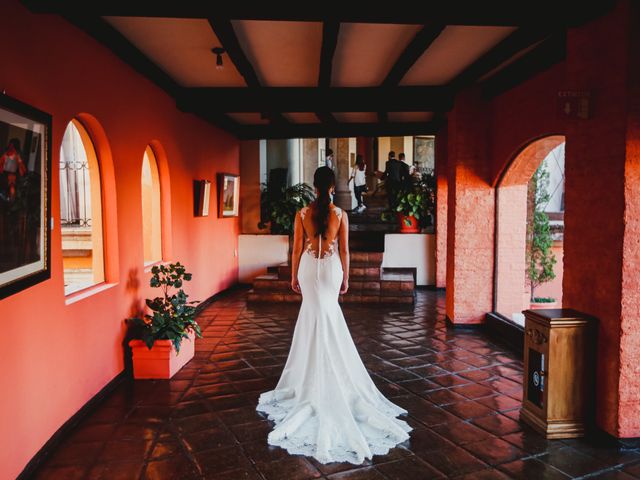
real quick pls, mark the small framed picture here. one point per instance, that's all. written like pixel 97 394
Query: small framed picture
pixel 25 196
pixel 228 195
pixel 201 197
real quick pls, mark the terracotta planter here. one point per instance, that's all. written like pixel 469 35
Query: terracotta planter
pixel 162 361
pixel 541 305
pixel 414 226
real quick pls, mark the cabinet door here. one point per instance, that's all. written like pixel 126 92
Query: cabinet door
pixel 536 368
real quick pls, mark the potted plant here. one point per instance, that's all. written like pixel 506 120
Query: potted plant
pixel 540 258
pixel 414 205
pixel 543 302
pixel 159 350
pixel 278 206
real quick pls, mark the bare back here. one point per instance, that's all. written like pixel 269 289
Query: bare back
pixel 307 242
pixel 314 243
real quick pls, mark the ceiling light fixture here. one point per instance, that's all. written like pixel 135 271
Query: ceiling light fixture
pixel 218 51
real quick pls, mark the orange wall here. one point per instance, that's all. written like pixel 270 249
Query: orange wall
pixel 57 356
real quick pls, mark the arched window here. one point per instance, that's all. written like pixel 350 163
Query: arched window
pixel 530 204
pixel 80 210
pixel 151 209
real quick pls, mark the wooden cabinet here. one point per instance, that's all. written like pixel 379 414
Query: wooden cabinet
pixel 559 364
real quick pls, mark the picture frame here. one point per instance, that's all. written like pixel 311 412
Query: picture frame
pixel 424 153
pixel 228 195
pixel 25 196
pixel 201 198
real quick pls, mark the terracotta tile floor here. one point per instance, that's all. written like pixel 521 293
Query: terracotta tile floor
pixel 462 392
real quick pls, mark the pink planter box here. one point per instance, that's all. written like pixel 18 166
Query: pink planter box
pixel 541 306
pixel 162 361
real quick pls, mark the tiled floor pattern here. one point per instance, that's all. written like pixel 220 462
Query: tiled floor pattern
pixel 462 392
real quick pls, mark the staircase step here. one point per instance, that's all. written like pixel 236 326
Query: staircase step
pixel 371 270
pixel 366 257
pixel 364 271
pixel 271 283
pixel 349 298
pixel 402 284
pixel 387 284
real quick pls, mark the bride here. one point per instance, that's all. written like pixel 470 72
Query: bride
pixel 325 404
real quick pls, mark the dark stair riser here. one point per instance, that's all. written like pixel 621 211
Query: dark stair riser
pixel 284 272
pixel 379 288
pixel 347 299
pixel 368 258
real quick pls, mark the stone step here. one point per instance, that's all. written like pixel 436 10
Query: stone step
pixel 366 267
pixel 387 284
pixel 374 258
pixel 355 271
pixel 349 298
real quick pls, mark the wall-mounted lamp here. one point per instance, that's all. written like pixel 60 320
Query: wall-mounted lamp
pixel 218 51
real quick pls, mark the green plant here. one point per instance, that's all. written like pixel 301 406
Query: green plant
pixel 173 317
pixel 278 208
pixel 540 258
pixel 543 300
pixel 417 200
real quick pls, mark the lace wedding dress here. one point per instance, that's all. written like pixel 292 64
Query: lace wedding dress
pixel 325 404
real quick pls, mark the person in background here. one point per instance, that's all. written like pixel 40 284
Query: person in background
pixel 410 170
pixel 11 167
pixel 329 159
pixel 414 170
pixel 358 175
pixel 396 175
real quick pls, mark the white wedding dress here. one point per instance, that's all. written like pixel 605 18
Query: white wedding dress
pixel 325 404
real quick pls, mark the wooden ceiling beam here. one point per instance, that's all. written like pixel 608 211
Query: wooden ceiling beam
pixel 111 38
pixel 330 32
pixel 326 117
pixel 452 12
pixel 227 36
pixel 312 99
pixel 320 130
pixel 542 57
pixel 518 41
pixel 414 50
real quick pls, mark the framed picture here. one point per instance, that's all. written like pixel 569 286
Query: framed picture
pixel 228 195
pixel 424 153
pixel 201 197
pixel 25 196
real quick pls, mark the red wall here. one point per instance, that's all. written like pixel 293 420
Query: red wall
pixel 58 356
pixel 523 114
pixel 601 246
pixel 470 212
pixel 441 208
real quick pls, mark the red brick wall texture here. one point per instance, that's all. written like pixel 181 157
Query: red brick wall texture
pixel 602 196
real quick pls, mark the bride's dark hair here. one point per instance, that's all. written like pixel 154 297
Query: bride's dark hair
pixel 324 179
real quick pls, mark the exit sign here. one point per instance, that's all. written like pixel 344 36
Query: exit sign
pixel 574 104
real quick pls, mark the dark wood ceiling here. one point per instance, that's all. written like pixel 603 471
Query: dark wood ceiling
pixel 432 53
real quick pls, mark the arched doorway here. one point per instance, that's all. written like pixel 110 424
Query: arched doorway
pixel 529 225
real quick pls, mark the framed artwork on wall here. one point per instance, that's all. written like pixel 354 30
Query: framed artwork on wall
pixel 201 198
pixel 25 196
pixel 228 195
pixel 424 153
